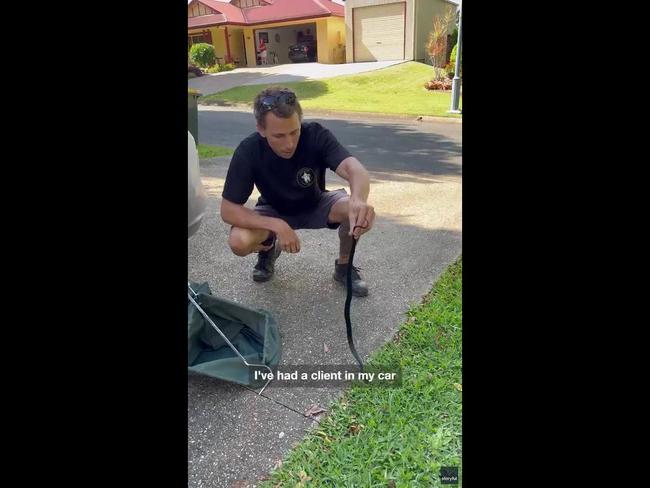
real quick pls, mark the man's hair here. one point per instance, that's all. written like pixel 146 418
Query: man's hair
pixel 282 110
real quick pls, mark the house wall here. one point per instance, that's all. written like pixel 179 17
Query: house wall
pixel 196 9
pixel 408 30
pixel 218 39
pixel 322 40
pixel 250 47
pixel 424 13
pixel 219 42
pixel 331 40
pixel 236 39
pixel 336 40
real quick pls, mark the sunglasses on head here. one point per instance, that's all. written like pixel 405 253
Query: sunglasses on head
pixel 271 101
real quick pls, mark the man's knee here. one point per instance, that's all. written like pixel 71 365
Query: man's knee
pixel 238 243
pixel 242 242
pixel 339 212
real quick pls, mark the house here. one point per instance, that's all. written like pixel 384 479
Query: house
pixel 384 30
pixel 235 27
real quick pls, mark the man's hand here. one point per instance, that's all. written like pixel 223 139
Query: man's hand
pixel 360 214
pixel 287 238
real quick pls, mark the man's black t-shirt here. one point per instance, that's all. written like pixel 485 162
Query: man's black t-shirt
pixel 291 186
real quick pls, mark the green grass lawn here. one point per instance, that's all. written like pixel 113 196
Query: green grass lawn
pixel 207 151
pixel 397 437
pixel 395 90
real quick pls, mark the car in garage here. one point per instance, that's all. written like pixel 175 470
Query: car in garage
pixel 303 52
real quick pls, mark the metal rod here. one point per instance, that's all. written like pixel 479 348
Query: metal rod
pixel 223 336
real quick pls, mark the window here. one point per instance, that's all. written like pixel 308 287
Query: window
pixel 198 38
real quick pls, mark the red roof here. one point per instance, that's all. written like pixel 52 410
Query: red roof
pixel 292 9
pixel 205 20
pixel 230 12
pixel 275 11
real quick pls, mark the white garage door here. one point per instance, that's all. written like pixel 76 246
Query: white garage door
pixel 379 32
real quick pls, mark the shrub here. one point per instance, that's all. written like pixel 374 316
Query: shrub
pixel 228 67
pixel 444 84
pixel 452 57
pixel 454 37
pixel 214 69
pixel 203 55
pixel 194 70
pixel 450 69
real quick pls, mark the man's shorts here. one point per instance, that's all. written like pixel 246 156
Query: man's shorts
pixel 313 219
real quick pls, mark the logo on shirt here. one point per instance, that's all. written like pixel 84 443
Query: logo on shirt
pixel 305 177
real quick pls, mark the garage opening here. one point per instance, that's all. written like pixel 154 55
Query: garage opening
pixel 291 44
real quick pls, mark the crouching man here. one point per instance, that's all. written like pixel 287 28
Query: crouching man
pixel 286 159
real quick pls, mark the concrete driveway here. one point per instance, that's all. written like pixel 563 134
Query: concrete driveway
pixel 236 436
pixel 282 73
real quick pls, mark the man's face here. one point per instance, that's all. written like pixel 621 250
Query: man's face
pixel 281 134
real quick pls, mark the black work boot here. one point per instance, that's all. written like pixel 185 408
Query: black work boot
pixel 266 262
pixel 359 287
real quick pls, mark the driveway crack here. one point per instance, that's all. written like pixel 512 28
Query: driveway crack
pixel 277 402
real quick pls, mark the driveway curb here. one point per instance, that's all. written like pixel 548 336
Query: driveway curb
pixel 340 114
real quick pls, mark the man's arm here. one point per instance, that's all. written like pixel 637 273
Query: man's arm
pixel 240 216
pixel 360 212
